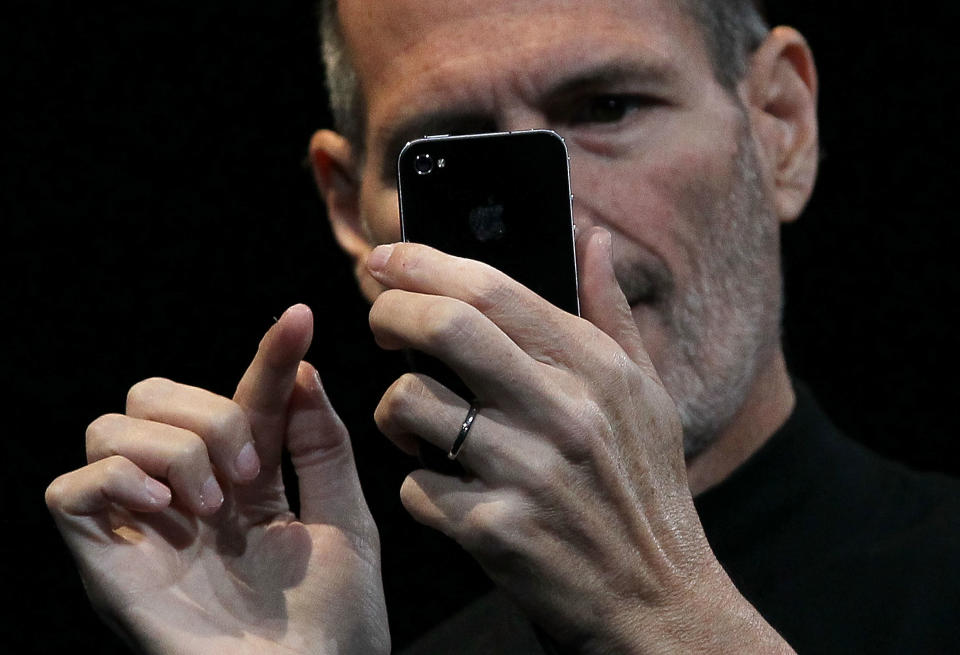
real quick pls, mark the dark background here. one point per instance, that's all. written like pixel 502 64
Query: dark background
pixel 156 215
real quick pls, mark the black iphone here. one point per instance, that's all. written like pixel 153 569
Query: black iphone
pixel 501 198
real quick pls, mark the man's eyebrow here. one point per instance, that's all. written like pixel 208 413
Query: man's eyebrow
pixel 455 121
pixel 429 124
pixel 607 74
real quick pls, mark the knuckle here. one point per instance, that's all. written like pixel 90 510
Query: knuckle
pixel 146 391
pixel 448 322
pixel 496 450
pixel 616 376
pixel 618 372
pixel 383 309
pixel 383 301
pixel 56 492
pixel 101 433
pixel 583 430
pixel 491 292
pixel 411 497
pixel 382 416
pixel 542 475
pixel 187 453
pixel 484 520
pixel 547 479
pixel 397 403
pixel 115 467
pixel 475 527
pixel 385 304
pixel 228 423
pixel 408 390
pixel 488 529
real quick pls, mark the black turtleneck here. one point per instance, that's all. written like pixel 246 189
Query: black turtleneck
pixel 840 550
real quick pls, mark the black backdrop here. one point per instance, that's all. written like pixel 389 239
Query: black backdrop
pixel 156 215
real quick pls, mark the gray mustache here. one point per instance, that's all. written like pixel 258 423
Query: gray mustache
pixel 644 281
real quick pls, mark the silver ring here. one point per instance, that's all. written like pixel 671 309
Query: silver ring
pixel 464 431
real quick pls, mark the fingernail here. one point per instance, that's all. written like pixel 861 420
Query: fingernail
pixel 606 241
pixel 378 258
pixel 247 464
pixel 210 493
pixel 299 307
pixel 158 491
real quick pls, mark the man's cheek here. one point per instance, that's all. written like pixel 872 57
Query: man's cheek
pixel 639 204
pixel 693 185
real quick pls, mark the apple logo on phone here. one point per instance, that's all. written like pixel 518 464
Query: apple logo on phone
pixel 486 221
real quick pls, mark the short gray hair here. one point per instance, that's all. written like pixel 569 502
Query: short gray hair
pixel 733 30
pixel 343 88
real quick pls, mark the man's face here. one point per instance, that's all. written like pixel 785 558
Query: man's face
pixel 661 156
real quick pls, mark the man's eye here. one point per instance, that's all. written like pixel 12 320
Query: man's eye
pixel 606 109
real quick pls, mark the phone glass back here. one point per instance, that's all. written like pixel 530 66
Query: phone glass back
pixel 503 199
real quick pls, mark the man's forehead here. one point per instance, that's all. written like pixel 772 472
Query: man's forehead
pixel 393 40
pixel 407 20
pixel 410 16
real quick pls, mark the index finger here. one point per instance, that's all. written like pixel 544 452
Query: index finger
pixel 527 318
pixel 265 388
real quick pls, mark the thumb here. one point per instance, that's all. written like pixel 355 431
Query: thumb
pixel 322 457
pixel 602 301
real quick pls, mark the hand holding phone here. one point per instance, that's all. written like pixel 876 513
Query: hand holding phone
pixel 502 199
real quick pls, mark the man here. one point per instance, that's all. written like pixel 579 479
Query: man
pixel 693 136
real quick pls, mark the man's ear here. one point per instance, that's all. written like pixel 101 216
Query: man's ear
pixel 338 180
pixel 781 93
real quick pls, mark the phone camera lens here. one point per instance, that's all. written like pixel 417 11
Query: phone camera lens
pixel 423 163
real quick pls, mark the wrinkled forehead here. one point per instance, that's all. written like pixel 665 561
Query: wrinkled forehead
pixel 407 40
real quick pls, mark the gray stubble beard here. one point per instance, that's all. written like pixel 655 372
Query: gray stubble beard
pixel 726 323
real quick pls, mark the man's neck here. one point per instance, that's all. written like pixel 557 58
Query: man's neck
pixel 769 404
